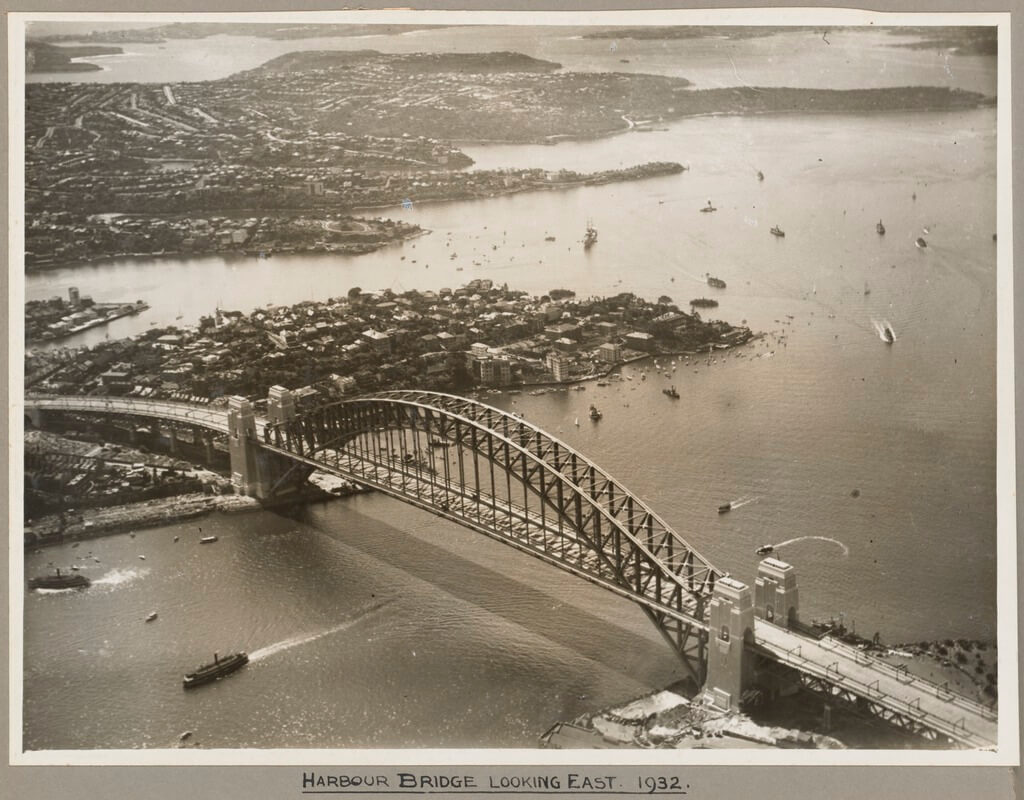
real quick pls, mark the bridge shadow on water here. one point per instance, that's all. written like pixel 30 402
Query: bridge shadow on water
pixel 551 615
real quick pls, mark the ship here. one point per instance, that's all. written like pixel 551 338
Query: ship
pixel 59 580
pixel 724 507
pixel 439 443
pixel 765 549
pixel 671 393
pixel 704 302
pixel 208 540
pixel 590 237
pixel 921 242
pixel 777 231
pixel 595 414
pixel 717 283
pixel 760 175
pixel 708 208
pixel 880 228
pixel 890 337
pixel 215 670
pixel 152 616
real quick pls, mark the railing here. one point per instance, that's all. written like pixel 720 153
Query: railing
pixel 942 693
pixel 957 730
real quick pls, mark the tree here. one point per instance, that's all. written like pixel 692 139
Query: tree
pixel 664 300
pixel 353 293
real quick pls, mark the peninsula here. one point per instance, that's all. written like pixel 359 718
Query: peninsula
pixel 285 153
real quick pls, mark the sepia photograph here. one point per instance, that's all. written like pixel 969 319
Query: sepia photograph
pixel 403 381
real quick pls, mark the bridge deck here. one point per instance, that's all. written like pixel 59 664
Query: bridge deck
pixel 883 684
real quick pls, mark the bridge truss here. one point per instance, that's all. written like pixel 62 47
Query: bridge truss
pixel 498 474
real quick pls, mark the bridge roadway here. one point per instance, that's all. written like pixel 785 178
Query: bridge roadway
pixel 826 665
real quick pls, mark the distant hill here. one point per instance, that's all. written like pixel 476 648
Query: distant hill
pixel 42 57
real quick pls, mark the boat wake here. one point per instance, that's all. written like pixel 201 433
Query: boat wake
pixel 287 644
pixel 119 577
pixel 881 327
pixel 743 501
pixel 846 550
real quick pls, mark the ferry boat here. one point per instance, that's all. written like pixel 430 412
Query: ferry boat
pixel 777 231
pixel 765 549
pixel 595 414
pixel 671 393
pixel 60 580
pixel 590 237
pixel 717 283
pixel 880 228
pixel 704 302
pixel 215 670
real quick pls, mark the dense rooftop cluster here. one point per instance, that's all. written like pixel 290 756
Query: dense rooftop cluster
pixel 476 335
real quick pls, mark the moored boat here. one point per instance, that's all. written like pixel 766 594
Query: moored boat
pixel 215 670
pixel 671 392
pixel 716 283
pixel 777 231
pixel 704 302
pixel 880 228
pixel 708 208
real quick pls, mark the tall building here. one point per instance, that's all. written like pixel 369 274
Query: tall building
pixel 73 295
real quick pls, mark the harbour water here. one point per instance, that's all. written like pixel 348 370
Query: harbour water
pixel 373 624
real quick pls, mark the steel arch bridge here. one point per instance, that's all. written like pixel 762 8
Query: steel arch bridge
pixel 498 474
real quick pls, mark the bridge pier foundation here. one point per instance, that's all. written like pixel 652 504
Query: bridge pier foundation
pixel 731 628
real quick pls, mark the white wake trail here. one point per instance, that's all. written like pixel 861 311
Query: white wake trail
pixel 846 550
pixel 296 641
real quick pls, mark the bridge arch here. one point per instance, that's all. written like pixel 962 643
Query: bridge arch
pixel 503 476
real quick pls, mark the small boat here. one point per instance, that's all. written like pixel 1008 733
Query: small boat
pixel 595 414
pixel 142 558
pixel 671 393
pixel 577 422
pixel 867 289
pixel 880 228
pixel 208 540
pixel 717 283
pixel 439 443
pixel 549 238
pixel 176 538
pixel 590 237
pixel 777 231
pixel 765 549
pixel 760 175
pixel 724 508
pixel 151 617
pixel 921 242
pixel 215 670
pixel 890 337
pixel 59 580
pixel 708 208
pixel 704 302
